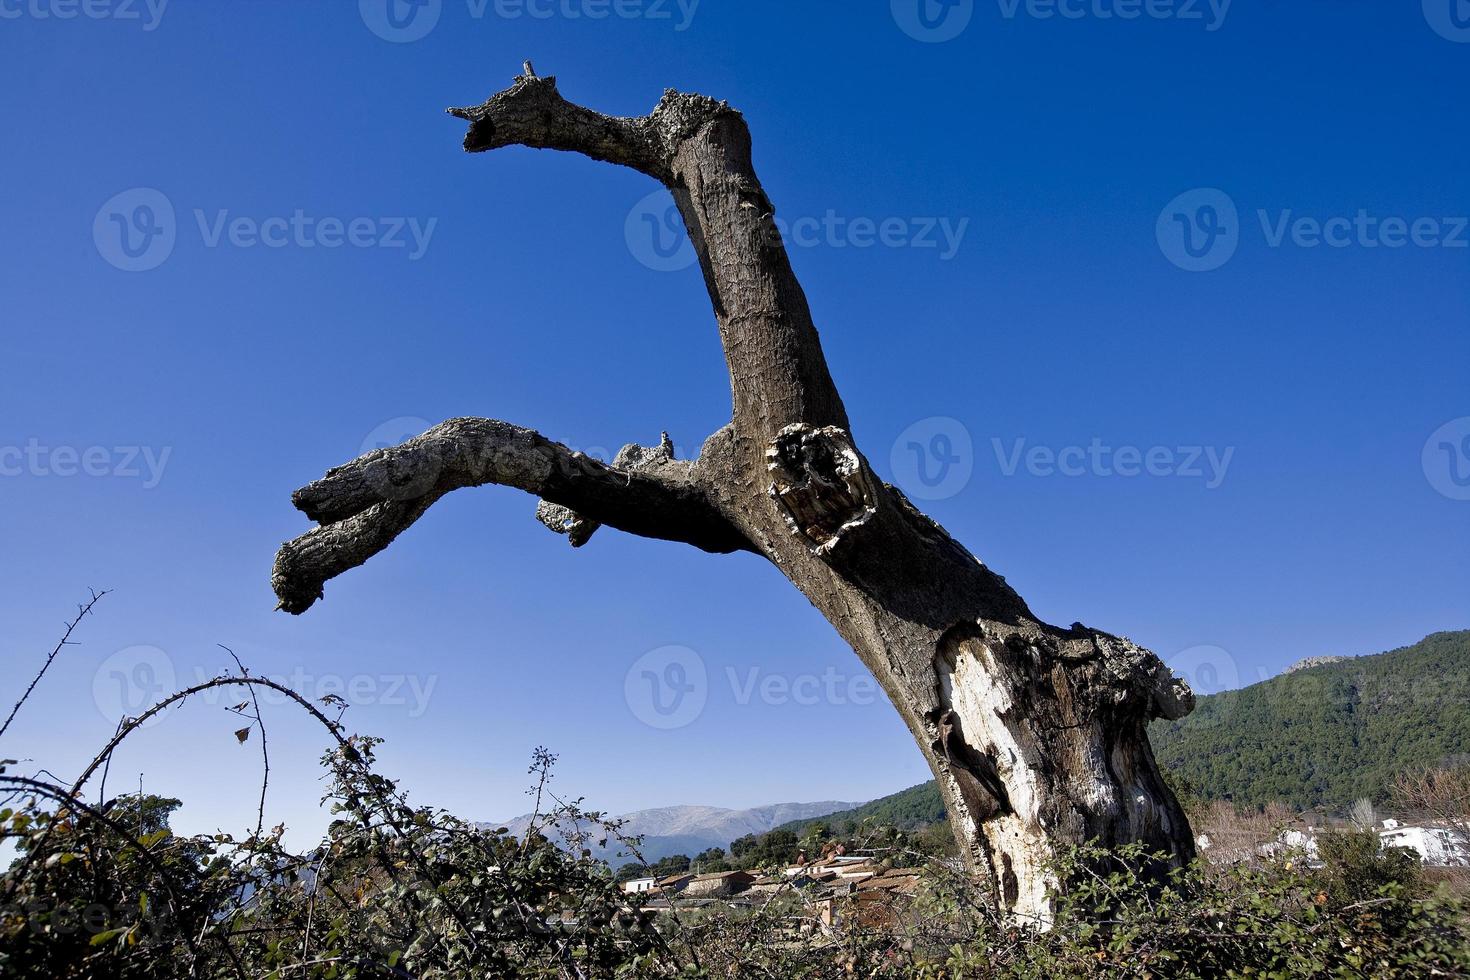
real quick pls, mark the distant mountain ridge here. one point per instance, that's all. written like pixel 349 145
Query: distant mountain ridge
pixel 690 829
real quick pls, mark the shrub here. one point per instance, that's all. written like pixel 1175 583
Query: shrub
pixel 395 890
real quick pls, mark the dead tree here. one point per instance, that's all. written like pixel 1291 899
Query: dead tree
pixel 1036 734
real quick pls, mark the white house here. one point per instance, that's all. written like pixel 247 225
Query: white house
pixel 634 885
pixel 1303 842
pixel 1439 847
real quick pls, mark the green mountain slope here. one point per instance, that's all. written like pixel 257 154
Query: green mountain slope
pixel 917 806
pixel 1321 736
pixel 1326 735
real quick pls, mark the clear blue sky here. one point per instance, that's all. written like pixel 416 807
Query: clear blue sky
pixel 1052 149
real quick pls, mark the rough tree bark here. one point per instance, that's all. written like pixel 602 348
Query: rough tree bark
pixel 1036 734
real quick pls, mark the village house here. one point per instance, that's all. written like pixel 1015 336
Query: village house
pixel 1301 842
pixel 769 885
pixel 720 884
pixel 636 885
pixel 881 900
pixel 673 884
pixel 842 865
pixel 1438 846
pixel 875 898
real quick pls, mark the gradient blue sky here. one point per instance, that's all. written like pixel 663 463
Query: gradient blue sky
pixel 1059 319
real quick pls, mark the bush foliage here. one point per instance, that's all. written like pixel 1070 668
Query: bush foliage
pixel 402 891
pixel 408 891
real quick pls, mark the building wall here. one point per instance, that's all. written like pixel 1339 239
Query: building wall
pixel 1436 846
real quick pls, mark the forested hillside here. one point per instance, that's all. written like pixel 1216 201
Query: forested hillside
pixel 1330 734
pixel 917 806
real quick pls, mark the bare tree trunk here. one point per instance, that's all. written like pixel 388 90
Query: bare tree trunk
pixel 1035 734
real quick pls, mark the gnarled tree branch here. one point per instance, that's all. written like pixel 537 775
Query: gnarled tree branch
pixel 533 113
pixel 700 150
pixel 631 458
pixel 365 504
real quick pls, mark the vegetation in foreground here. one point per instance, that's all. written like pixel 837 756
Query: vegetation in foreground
pixel 403 891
